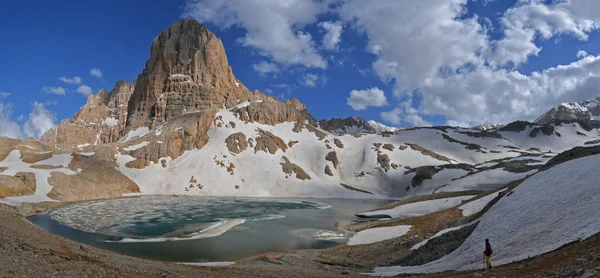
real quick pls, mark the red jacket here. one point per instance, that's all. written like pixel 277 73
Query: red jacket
pixel 488 249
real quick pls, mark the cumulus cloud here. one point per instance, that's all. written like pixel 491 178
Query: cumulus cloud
pixel 74 80
pixel 4 94
pixel 39 121
pixel 333 34
pixel 309 80
pixel 362 99
pixel 84 90
pixel 531 19
pixel 264 67
pixel 8 128
pixel 581 54
pixel 404 113
pixel 458 71
pixel 273 27
pixel 96 72
pixel 54 90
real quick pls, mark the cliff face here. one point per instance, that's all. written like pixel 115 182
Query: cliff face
pixel 101 120
pixel 187 71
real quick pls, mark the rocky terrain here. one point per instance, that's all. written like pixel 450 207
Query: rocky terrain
pixel 187 105
pixel 187 125
pixel 585 111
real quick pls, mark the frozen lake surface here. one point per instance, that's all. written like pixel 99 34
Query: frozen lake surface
pixel 200 229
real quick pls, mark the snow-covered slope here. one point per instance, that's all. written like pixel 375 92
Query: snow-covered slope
pixel 246 158
pixel 546 211
pixel 363 166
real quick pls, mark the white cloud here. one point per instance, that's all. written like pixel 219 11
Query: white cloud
pixel 404 113
pixel 51 102
pixel 264 67
pixel 96 72
pixel 309 80
pixel 581 54
pixel 333 34
pixel 273 27
pixel 450 61
pixel 84 90
pixel 413 40
pixel 74 80
pixel 393 116
pixel 8 128
pixel 362 99
pixel 531 19
pixel 40 120
pixel 4 94
pixel 21 118
pixel 490 96
pixel 54 90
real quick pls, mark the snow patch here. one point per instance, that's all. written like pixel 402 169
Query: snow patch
pixel 378 234
pixel 476 206
pixel 110 122
pixel 139 132
pixel 137 146
pixel 211 264
pixel 553 209
pixel 419 208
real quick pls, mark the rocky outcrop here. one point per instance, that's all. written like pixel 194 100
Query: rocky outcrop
pixel 7 145
pixel 97 179
pixel 338 143
pixel 187 71
pixel 290 168
pixel 101 120
pixel 271 111
pixel 333 158
pixel 29 156
pixel 236 143
pixel 347 125
pixel 384 161
pixel 269 143
pixel 352 125
pixel 328 171
pixel 182 133
pixel 19 185
pixel 429 152
pixel 585 111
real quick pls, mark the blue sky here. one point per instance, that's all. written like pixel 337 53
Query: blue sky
pixel 435 62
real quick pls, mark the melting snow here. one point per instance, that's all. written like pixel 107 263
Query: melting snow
pixel 211 264
pixel 15 165
pixel 419 208
pixel 110 122
pixel 137 146
pixel 476 206
pixel 378 234
pixel 139 132
pixel 546 211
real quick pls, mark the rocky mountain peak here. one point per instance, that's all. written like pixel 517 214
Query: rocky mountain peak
pixel 101 120
pixel 187 71
pixel 355 125
pixel 587 111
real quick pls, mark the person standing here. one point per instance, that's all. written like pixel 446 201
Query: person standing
pixel 488 253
